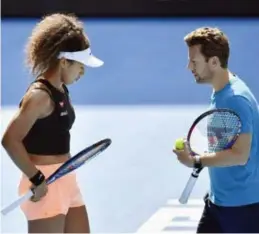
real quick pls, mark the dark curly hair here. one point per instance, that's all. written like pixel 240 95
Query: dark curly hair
pixel 53 34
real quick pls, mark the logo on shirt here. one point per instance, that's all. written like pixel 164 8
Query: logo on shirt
pixel 61 104
pixel 63 113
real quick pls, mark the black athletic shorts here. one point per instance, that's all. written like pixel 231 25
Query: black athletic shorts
pixel 218 219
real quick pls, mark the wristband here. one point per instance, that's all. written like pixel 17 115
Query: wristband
pixel 38 178
pixel 197 162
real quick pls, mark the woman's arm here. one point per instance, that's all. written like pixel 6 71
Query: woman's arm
pixel 35 105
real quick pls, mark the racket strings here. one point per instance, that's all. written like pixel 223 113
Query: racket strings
pixel 215 132
pixel 222 128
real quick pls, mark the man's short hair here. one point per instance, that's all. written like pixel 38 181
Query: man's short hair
pixel 213 42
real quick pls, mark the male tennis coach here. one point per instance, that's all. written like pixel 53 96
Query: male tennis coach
pixel 232 204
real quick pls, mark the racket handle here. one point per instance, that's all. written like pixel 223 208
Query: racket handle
pixel 188 189
pixel 17 203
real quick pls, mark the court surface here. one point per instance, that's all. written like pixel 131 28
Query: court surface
pixel 133 186
pixel 143 98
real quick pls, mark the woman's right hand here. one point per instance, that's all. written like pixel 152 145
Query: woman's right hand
pixel 39 192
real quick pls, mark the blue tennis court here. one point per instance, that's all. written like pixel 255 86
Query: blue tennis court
pixel 143 98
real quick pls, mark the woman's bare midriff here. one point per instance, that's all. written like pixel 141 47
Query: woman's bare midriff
pixel 48 159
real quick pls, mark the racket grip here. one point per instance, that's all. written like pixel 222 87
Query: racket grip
pixel 17 203
pixel 188 189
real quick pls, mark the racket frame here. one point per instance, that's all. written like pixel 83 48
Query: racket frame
pixel 196 171
pixel 60 172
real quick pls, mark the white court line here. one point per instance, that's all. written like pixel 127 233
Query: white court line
pixel 174 218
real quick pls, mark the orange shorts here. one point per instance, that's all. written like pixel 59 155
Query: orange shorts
pixel 62 194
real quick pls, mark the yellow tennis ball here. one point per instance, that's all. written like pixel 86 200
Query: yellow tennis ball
pixel 179 144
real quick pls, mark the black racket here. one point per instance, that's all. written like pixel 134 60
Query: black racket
pixel 212 131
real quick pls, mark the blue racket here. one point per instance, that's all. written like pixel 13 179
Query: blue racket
pixel 214 130
pixel 73 163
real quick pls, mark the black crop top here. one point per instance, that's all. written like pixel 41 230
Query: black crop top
pixel 50 135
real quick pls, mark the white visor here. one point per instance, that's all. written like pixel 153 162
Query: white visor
pixel 84 56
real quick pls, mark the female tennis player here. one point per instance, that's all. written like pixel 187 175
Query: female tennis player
pixel 38 137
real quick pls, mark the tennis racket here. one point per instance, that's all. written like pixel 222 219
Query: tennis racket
pixel 212 131
pixel 73 163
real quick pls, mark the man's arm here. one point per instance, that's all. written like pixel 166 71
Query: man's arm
pixel 239 153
